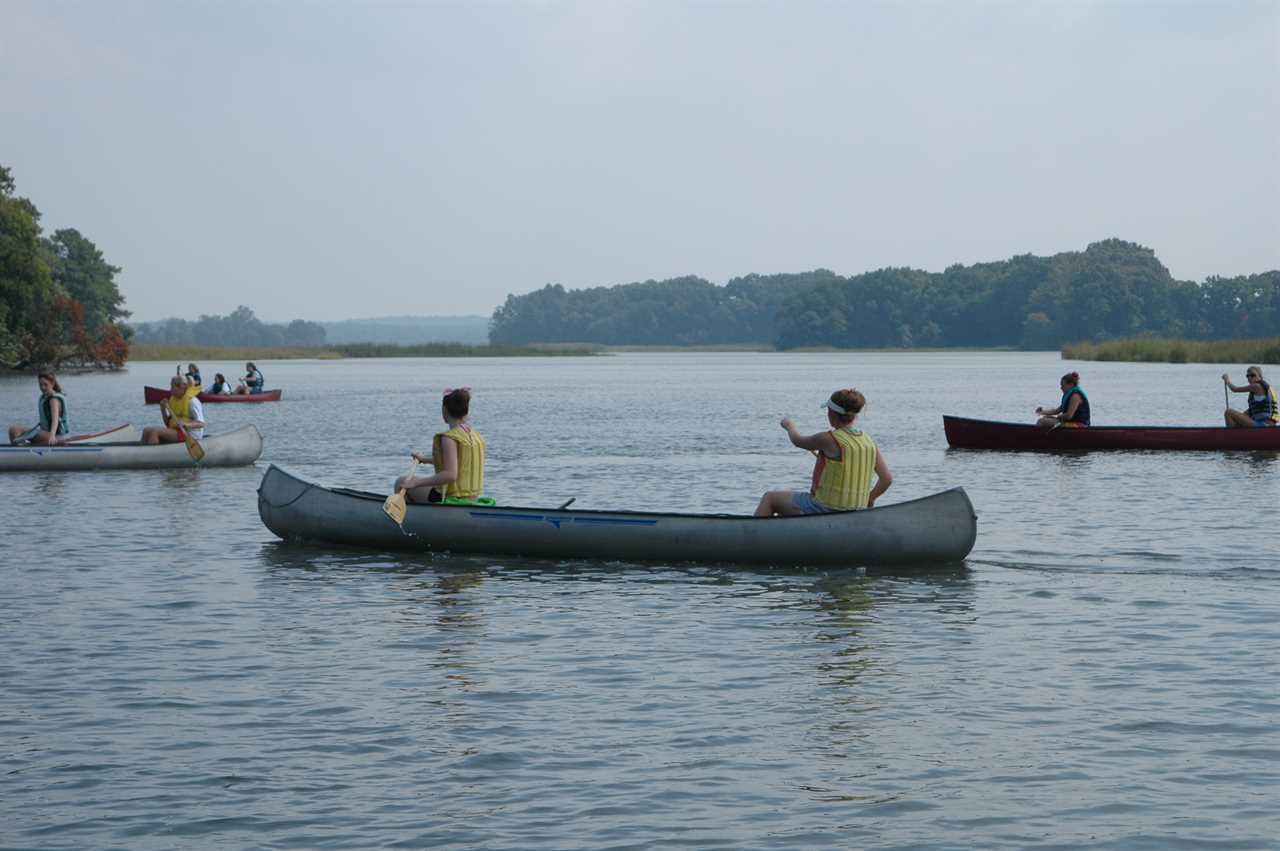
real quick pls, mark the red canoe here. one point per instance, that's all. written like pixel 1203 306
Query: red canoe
pixel 964 433
pixel 153 395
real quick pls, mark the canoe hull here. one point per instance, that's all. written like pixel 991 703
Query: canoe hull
pixel 965 433
pixel 154 395
pixel 936 529
pixel 127 433
pixel 238 448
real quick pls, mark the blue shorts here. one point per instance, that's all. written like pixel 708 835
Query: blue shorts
pixel 1263 423
pixel 804 502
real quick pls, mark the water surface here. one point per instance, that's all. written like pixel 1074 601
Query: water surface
pixel 1101 673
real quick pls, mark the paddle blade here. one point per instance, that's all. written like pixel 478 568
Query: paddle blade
pixel 394 507
pixel 194 449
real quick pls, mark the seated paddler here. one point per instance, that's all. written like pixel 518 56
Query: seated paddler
pixel 457 454
pixel 51 409
pixel 1072 411
pixel 1264 408
pixel 182 412
pixel 847 458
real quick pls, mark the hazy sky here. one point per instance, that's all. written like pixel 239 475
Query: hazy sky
pixel 328 160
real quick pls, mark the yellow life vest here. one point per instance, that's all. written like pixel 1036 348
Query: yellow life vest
pixel 470 483
pixel 180 409
pixel 845 484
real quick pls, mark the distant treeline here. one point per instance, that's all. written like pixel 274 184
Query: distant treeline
pixel 410 330
pixel 455 350
pixel 1110 290
pixel 175 352
pixel 240 329
pixel 1162 350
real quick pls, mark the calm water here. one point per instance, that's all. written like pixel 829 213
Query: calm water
pixel 1101 674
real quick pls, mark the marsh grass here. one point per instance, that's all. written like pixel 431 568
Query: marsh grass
pixel 1166 350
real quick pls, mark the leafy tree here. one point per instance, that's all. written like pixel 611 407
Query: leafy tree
pixel 26 285
pixel 81 271
pixel 238 328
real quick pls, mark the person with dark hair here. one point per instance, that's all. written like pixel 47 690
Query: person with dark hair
pixel 457 454
pixel 192 375
pixel 221 387
pixel 252 382
pixel 846 458
pixel 51 408
pixel 1072 411
pixel 1264 407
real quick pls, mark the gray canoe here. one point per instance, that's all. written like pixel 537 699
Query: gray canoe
pixel 234 449
pixel 935 529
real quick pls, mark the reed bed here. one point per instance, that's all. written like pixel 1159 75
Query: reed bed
pixel 176 352
pixel 1168 350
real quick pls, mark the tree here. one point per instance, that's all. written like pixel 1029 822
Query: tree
pixel 84 274
pixel 26 285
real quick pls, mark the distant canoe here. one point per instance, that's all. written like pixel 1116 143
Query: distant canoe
pixel 154 395
pixel 936 529
pixel 237 448
pixel 965 433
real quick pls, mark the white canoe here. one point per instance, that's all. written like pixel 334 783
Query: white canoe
pixel 127 433
pixel 238 448
pixel 935 529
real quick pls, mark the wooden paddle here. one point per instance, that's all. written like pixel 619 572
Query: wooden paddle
pixel 394 506
pixel 194 449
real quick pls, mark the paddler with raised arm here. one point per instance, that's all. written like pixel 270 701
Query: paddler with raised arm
pixel 846 459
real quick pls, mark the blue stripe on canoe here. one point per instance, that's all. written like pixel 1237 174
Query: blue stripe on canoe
pixel 46 450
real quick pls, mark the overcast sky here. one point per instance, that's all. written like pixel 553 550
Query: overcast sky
pixel 333 160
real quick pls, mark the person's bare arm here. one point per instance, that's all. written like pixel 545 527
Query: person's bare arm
pixel 449 471
pixel 821 442
pixel 883 480
pixel 55 413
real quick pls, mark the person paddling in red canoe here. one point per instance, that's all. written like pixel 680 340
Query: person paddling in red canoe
pixel 1264 407
pixel 1072 411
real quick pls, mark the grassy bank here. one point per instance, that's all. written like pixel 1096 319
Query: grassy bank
pixel 1162 350
pixel 159 352
pixel 457 350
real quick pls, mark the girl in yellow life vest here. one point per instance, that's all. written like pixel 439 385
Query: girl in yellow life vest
pixel 457 455
pixel 846 458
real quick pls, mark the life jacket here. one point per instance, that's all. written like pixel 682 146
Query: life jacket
pixel 180 408
pixel 46 414
pixel 1082 412
pixel 470 483
pixel 845 484
pixel 194 379
pixel 1264 406
pixel 255 381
